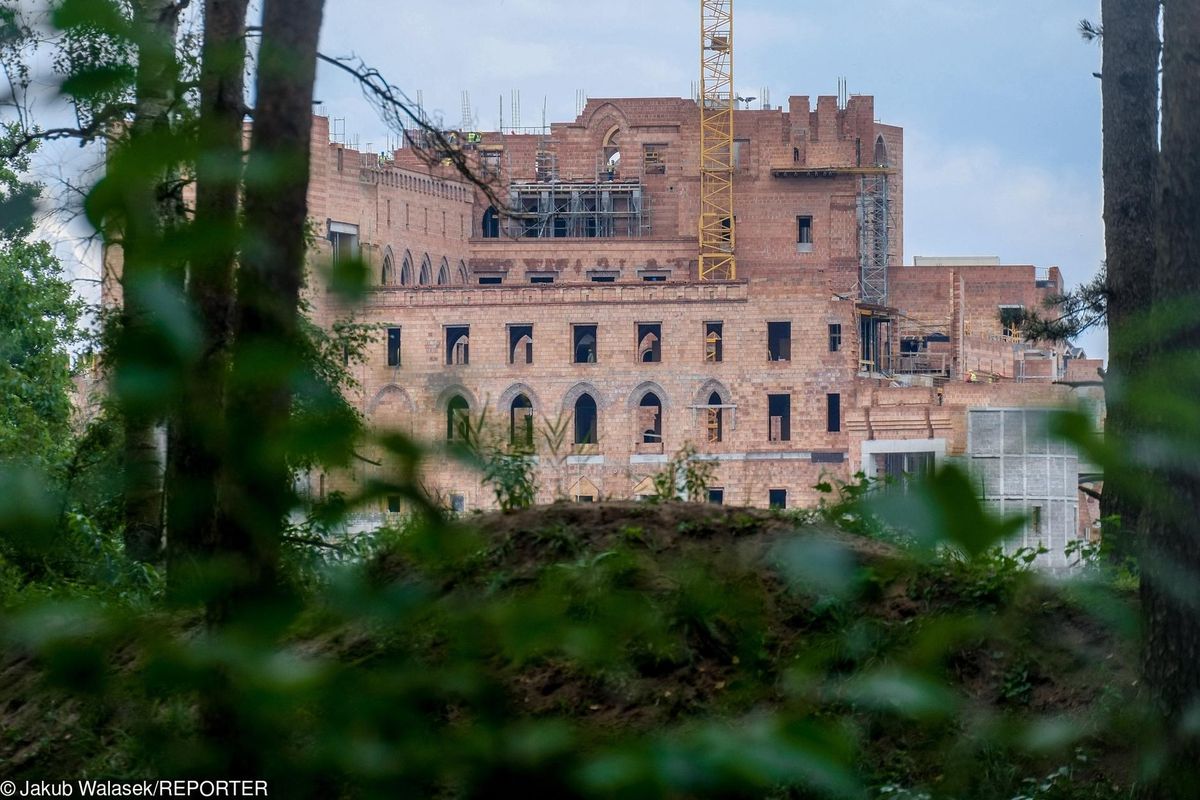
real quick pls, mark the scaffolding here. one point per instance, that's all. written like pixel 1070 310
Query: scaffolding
pixel 874 239
pixel 717 102
pixel 578 210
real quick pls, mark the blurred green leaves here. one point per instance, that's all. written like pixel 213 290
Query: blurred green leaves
pixel 945 510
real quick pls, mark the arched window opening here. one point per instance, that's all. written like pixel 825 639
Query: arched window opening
pixel 426 271
pixel 522 352
pixel 458 417
pixel 387 275
pixel 649 343
pixel 716 418
pixel 611 152
pixel 463 276
pixel 443 276
pixel 650 419
pixel 491 223
pixel 406 276
pixel 881 156
pixel 458 345
pixel 521 423
pixel 585 420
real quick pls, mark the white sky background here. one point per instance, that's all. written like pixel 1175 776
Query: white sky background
pixel 999 105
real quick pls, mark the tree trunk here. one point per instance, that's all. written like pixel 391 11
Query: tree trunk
pixel 143 170
pixel 1130 161
pixel 256 493
pixel 1171 556
pixel 198 429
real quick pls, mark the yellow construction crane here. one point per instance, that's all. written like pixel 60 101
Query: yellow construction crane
pixel 717 102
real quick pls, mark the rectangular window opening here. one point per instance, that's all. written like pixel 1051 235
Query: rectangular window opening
pixel 541 279
pixel 833 409
pixel 713 341
pixel 393 347
pixel 583 341
pixel 779 341
pixel 520 344
pixel 716 497
pixel 604 279
pixel 1010 319
pixel 458 503
pixel 344 238
pixel 654 278
pixel 458 345
pixel 393 500
pixel 779 412
pixel 654 159
pixel 741 153
pixel 835 337
pixel 649 342
pixel 490 280
pixel 777 498
pixel 804 234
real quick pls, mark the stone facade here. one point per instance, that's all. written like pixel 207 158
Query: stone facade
pixel 794 402
pixel 567 295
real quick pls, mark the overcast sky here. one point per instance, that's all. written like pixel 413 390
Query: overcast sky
pixel 999 105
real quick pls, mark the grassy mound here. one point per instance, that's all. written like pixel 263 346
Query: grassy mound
pixel 626 649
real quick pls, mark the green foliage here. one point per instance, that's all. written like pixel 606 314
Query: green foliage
pixel 566 652
pixel 39 317
pixel 684 476
pixel 1064 316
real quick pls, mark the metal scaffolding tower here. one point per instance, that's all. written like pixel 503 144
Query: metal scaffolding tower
pixel 717 102
pixel 874 240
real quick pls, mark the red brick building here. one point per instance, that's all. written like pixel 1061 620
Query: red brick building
pixel 571 297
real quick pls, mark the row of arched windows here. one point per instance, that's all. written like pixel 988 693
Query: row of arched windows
pixel 426 276
pixel 585 419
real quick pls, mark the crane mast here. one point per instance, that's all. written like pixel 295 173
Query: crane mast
pixel 717 103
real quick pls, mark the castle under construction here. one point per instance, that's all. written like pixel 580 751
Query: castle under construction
pixel 574 303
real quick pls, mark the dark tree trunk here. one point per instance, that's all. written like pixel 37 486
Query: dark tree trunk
pixel 145 173
pixel 1170 585
pixel 198 430
pixel 1129 86
pixel 256 493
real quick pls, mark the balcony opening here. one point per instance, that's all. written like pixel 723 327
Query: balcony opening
pixel 779 414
